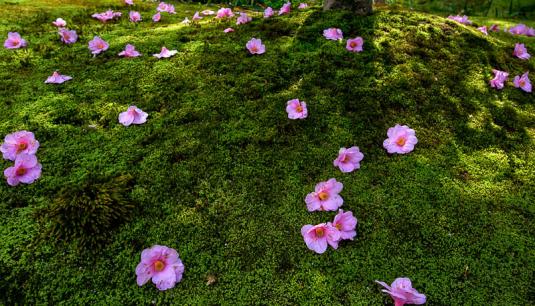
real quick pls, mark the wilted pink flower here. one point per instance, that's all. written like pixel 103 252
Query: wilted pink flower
pixel 68 36
pixel 461 19
pixel 129 51
pixel 135 16
pixel 196 17
pixel 325 196
pixel 207 12
pixel 108 15
pixel 355 44
pixel 483 30
pixel 494 28
pixel 268 12
pixel 519 29
pixel 26 170
pixel 60 23
pixel 21 142
pixel 98 45
pixel 348 159
pixel 255 46
pixel 296 109
pixel 129 2
pixel 133 115
pixel 318 236
pixel 285 9
pixel 333 34
pixel 165 53
pixel 157 17
pixel 401 139
pixel 521 52
pixel 57 78
pixel 14 41
pixel 162 264
pixel 402 292
pixel 346 224
pixel 228 30
pixel 523 82
pixel 302 6
pixel 499 78
pixel 243 19
pixel 224 12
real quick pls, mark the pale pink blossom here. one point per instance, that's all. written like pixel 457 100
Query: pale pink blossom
pixel 285 9
pixel 302 6
pixel 461 19
pixel 57 78
pixel 530 32
pixel 14 41
pixel 255 46
pixel 494 28
pixel 25 170
pixel 157 17
pixel 325 197
pixel 186 21
pixel 196 17
pixel 60 23
pixel 268 12
pixel 345 223
pixel 164 7
pixel 129 2
pixel 21 142
pixel 224 12
pixel 161 264
pixel 401 139
pixel 165 53
pixel 68 36
pixel 129 51
pixel 499 79
pixel 402 292
pixel 108 15
pixel 243 18
pixel 207 12
pixel 228 30
pixel 333 34
pixel 355 44
pixel 348 159
pixel 134 16
pixel 296 109
pixel 98 45
pixel 317 237
pixel 521 52
pixel 483 30
pixel 523 82
pixel 519 29
pixel 133 115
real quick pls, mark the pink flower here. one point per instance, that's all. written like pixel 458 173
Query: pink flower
pixel 133 115
pixel 165 53
pixel 461 19
pixel 255 46
pixel 521 52
pixel 228 30
pixel 129 51
pixel 14 41
pixel 345 223
pixel 402 292
pixel 26 170
pixel 108 15
pixel 157 17
pixel 268 12
pixel 302 6
pixel 285 9
pixel 21 142
pixel 57 78
pixel 499 78
pixel 129 2
pixel 318 236
pixel 483 30
pixel 333 34
pixel 296 109
pixel 134 16
pixel 243 19
pixel 164 7
pixel 519 29
pixel 523 82
pixel 68 36
pixel 355 44
pixel 186 21
pixel 224 13
pixel 196 17
pixel 162 264
pixel 348 159
pixel 60 23
pixel 98 45
pixel 325 196
pixel 207 12
pixel 401 139
pixel 530 32
pixel 494 28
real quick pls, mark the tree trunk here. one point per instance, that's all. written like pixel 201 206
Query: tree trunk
pixel 360 7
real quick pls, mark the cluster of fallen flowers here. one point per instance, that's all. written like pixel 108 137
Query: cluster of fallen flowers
pixel 21 147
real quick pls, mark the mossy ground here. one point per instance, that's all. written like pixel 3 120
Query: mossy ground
pixel 220 173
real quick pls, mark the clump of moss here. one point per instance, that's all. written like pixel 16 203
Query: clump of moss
pixel 87 213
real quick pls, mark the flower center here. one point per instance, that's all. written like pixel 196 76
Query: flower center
pixel 299 108
pixel 323 195
pixel 401 141
pixel 100 45
pixel 352 44
pixel 522 83
pixel 319 232
pixel 159 265
pixel 338 226
pixel 254 48
pixel 20 171
pixel 345 159
pixel 22 146
pixel 15 42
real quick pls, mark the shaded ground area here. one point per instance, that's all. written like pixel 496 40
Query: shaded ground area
pixel 219 172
